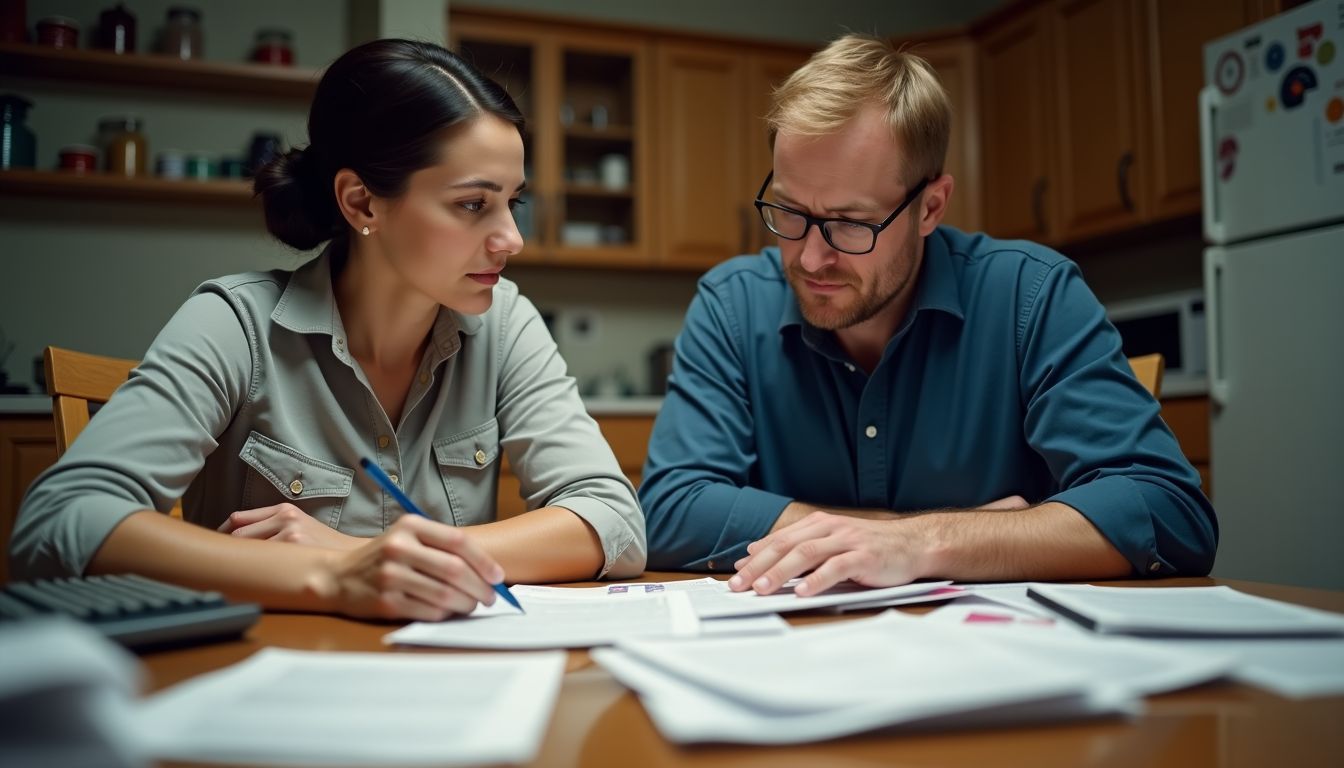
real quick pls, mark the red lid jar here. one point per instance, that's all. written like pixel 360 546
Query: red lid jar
pixel 274 46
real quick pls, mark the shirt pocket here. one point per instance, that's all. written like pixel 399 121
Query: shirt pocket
pixel 283 474
pixel 469 466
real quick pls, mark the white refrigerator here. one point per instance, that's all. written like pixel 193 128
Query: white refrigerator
pixel 1272 138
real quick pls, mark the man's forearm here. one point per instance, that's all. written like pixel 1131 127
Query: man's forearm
pixel 1050 541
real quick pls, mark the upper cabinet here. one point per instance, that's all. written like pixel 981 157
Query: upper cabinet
pixel 954 61
pixel 1016 133
pixel 1089 113
pixel 588 143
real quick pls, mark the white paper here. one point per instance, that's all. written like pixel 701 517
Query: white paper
pixel 1187 610
pixel 297 707
pixel 557 619
pixel 951 592
pixel 943 678
pixel 1295 668
pixel 727 603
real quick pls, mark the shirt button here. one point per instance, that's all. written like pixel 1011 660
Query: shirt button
pixel 871 431
pixel 1154 567
pixel 424 378
pixel 480 457
pixel 393 477
pixel 850 366
pixel 711 565
pixel 296 487
pixel 383 441
pixel 340 343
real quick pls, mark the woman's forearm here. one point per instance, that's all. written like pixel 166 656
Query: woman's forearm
pixel 275 574
pixel 544 545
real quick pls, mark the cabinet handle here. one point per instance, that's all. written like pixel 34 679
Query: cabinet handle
pixel 1122 180
pixel 1038 204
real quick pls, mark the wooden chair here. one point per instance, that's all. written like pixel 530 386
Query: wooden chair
pixel 1148 370
pixel 75 379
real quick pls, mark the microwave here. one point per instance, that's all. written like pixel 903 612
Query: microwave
pixel 1173 325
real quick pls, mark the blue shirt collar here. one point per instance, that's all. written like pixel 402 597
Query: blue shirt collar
pixel 937 289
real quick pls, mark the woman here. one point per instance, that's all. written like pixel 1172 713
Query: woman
pixel 400 342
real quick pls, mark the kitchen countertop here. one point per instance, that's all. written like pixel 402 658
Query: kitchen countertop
pixel 597 406
pixel 20 404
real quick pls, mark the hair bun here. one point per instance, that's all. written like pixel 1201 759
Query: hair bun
pixel 299 205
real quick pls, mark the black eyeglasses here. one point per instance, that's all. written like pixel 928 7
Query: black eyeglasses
pixel 844 235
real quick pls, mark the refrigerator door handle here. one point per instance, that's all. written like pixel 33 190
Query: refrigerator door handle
pixel 1208 112
pixel 1214 264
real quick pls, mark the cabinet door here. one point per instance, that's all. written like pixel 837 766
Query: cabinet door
pixel 27 447
pixel 604 207
pixel 954 61
pixel 1016 134
pixel 1176 31
pixel 701 132
pixel 1102 160
pixel 765 72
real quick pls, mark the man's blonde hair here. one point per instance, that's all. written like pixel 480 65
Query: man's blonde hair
pixel 856 71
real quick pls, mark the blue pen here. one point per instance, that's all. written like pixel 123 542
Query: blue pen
pixel 408 505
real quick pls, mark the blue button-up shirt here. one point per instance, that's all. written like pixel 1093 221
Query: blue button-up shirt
pixel 1005 378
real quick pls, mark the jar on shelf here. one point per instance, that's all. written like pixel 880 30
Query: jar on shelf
pixel 78 158
pixel 125 145
pixel 182 33
pixel 171 164
pixel 18 145
pixel 274 46
pixel 198 167
pixel 58 32
pixel 116 30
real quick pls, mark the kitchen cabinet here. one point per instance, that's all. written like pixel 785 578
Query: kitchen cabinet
pixel 954 61
pixel 1089 121
pixel 589 143
pixel 1016 136
pixel 27 446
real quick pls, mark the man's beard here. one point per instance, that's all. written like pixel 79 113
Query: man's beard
pixel 826 313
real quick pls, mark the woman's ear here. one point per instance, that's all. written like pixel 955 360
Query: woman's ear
pixel 355 201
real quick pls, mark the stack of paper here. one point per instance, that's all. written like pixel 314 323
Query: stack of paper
pixel 287 707
pixel 890 670
pixel 1184 612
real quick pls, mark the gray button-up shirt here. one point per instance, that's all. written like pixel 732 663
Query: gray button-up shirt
pixel 249 397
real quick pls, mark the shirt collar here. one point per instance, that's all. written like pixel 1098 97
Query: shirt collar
pixel 936 290
pixel 308 305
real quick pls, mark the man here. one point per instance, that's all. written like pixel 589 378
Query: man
pixel 885 399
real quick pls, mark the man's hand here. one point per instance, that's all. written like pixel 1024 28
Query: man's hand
pixel 874 553
pixel 286 522
pixel 872 548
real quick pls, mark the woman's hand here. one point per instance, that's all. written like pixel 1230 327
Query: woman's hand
pixel 286 522
pixel 419 569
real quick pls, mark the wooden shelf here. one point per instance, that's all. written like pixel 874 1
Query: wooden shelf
pixel 101 186
pixel 147 70
pixel 594 190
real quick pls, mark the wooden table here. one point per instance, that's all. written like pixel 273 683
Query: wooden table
pixel 598 723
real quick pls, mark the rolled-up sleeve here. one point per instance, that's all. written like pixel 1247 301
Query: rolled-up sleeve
pixel 143 447
pixel 556 448
pixel 701 510
pixel 1102 435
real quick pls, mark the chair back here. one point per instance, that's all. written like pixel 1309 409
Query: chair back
pixel 75 379
pixel 1148 370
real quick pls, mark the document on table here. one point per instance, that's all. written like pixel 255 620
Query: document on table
pixel 846 678
pixel 1184 612
pixel 300 707
pixel 555 619
pixel 725 603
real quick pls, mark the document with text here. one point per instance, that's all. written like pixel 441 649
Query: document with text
pixel 557 620
pixel 301 708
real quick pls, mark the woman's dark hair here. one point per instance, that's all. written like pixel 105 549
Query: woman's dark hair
pixel 381 110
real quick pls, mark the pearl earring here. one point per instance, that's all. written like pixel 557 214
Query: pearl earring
pixel 364 231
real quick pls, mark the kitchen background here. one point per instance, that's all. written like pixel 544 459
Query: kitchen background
pixel 127 264
pixel 1075 124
